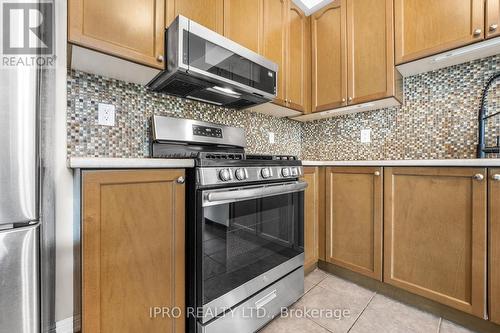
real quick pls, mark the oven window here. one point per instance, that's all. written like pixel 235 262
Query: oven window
pixel 204 55
pixel 243 240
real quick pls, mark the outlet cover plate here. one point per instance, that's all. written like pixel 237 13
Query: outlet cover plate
pixel 106 114
pixel 366 135
pixel 271 137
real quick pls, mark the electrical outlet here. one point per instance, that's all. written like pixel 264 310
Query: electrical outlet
pixel 271 137
pixel 106 114
pixel 366 135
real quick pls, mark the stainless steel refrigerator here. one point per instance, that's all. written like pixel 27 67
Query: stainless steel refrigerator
pixel 19 201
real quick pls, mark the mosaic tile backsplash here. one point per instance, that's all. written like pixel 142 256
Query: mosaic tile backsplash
pixel 438 119
pixel 134 107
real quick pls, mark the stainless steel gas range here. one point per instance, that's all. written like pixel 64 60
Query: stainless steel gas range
pixel 245 217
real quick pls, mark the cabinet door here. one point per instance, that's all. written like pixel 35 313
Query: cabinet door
pixel 494 241
pixel 243 20
pixel 354 219
pixel 370 45
pixel 132 250
pixel 311 217
pixel 427 27
pixel 274 41
pixel 492 27
pixel 329 51
pixel 129 29
pixel 435 234
pixel 298 82
pixel 209 13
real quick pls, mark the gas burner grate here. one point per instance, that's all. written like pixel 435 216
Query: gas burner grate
pixel 222 156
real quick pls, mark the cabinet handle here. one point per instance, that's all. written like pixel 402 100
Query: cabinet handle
pixel 343 100
pixel 477 32
pixel 350 99
pixel 159 58
pixel 377 173
pixel 496 177
pixel 493 27
pixel 478 176
pixel 181 180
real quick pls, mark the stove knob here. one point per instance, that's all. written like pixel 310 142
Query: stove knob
pixel 224 175
pixel 265 173
pixel 285 172
pixel 295 172
pixel 240 174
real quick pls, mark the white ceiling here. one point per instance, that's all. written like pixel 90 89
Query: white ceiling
pixel 311 6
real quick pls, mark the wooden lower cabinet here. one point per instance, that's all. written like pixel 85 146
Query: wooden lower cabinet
pixel 354 219
pixel 435 234
pixel 311 217
pixel 494 242
pixel 132 250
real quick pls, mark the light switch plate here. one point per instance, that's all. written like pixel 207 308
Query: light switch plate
pixel 106 114
pixel 366 135
pixel 271 137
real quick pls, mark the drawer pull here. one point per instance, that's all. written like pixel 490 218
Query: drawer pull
pixel 266 299
pixel 496 177
pixel 377 173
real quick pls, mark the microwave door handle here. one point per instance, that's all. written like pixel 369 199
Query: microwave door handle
pixel 221 197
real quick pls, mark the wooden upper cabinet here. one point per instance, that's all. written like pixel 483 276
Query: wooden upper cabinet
pixel 243 22
pixel 311 216
pixel 494 242
pixel 129 29
pixel 132 250
pixel 492 22
pixel 329 62
pixel 274 40
pixel 298 56
pixel 435 234
pixel 354 219
pixel 209 13
pixel 427 27
pixel 370 48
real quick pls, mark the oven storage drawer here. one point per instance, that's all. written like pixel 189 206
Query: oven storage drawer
pixel 258 310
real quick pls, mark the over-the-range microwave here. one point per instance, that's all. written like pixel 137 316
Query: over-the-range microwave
pixel 205 66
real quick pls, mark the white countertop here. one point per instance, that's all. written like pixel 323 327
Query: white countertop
pixel 125 163
pixel 491 162
pixel 148 163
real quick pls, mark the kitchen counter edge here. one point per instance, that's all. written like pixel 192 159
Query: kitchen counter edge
pixel 128 163
pixel 487 162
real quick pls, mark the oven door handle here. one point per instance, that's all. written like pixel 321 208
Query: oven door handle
pixel 222 197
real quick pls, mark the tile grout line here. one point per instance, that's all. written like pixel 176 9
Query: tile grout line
pixel 362 311
pixel 439 324
pixel 326 328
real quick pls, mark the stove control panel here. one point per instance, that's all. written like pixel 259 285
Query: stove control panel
pixel 207 131
pixel 225 175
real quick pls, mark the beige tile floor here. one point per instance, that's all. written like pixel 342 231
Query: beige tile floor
pixel 364 311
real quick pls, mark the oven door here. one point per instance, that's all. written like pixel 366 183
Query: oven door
pixel 250 237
